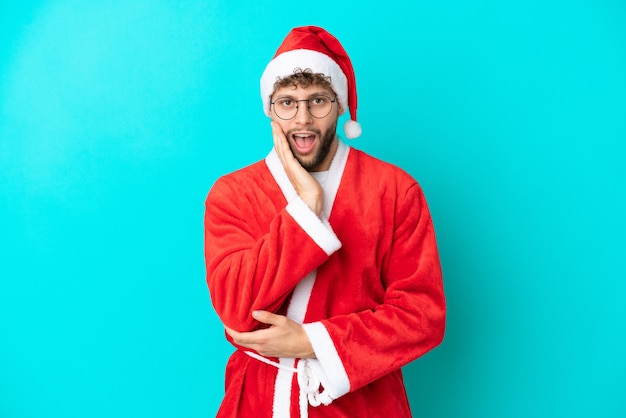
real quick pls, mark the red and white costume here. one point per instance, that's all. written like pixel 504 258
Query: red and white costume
pixel 364 280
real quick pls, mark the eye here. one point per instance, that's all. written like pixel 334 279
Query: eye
pixel 319 101
pixel 285 103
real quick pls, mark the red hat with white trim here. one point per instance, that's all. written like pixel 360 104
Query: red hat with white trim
pixel 311 47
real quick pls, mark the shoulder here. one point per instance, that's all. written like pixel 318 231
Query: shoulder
pixel 250 171
pixel 242 181
pixel 395 189
pixel 245 175
pixel 375 171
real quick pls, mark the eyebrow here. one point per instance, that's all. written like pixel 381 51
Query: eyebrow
pixel 288 96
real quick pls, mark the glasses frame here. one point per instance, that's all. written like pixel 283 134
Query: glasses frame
pixel 308 106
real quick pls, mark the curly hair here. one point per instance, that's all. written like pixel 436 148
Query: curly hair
pixel 303 78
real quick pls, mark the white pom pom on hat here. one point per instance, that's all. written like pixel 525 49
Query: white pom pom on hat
pixel 352 129
pixel 311 47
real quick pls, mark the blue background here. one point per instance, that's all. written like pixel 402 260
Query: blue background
pixel 116 117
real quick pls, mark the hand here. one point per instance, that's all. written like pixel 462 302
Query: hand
pixel 309 190
pixel 284 338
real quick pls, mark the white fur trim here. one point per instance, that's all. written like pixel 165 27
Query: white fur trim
pixel 281 405
pixel 352 129
pixel 313 226
pixel 335 174
pixel 278 172
pixel 296 312
pixel 300 298
pixel 328 366
pixel 285 63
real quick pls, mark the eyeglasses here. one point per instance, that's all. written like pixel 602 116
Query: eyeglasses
pixel 287 108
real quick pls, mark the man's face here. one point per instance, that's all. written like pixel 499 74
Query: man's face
pixel 311 140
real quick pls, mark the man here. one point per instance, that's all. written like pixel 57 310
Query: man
pixel 321 260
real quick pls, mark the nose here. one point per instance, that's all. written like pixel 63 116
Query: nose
pixel 303 116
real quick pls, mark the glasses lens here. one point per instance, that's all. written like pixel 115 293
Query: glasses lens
pixel 285 108
pixel 320 106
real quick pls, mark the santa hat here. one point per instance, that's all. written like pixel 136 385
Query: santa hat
pixel 311 47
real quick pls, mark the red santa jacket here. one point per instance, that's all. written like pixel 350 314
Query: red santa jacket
pixel 364 280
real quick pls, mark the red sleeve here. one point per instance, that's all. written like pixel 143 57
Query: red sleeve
pixel 252 264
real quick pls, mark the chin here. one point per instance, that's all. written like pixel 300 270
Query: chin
pixel 308 164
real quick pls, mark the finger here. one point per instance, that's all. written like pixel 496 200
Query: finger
pixel 244 339
pixel 286 157
pixel 277 130
pixel 238 338
pixel 267 317
pixel 279 137
pixel 233 334
pixel 280 144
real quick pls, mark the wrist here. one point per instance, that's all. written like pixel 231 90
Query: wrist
pixel 314 202
pixel 306 346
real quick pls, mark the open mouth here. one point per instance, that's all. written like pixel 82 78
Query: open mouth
pixel 303 142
